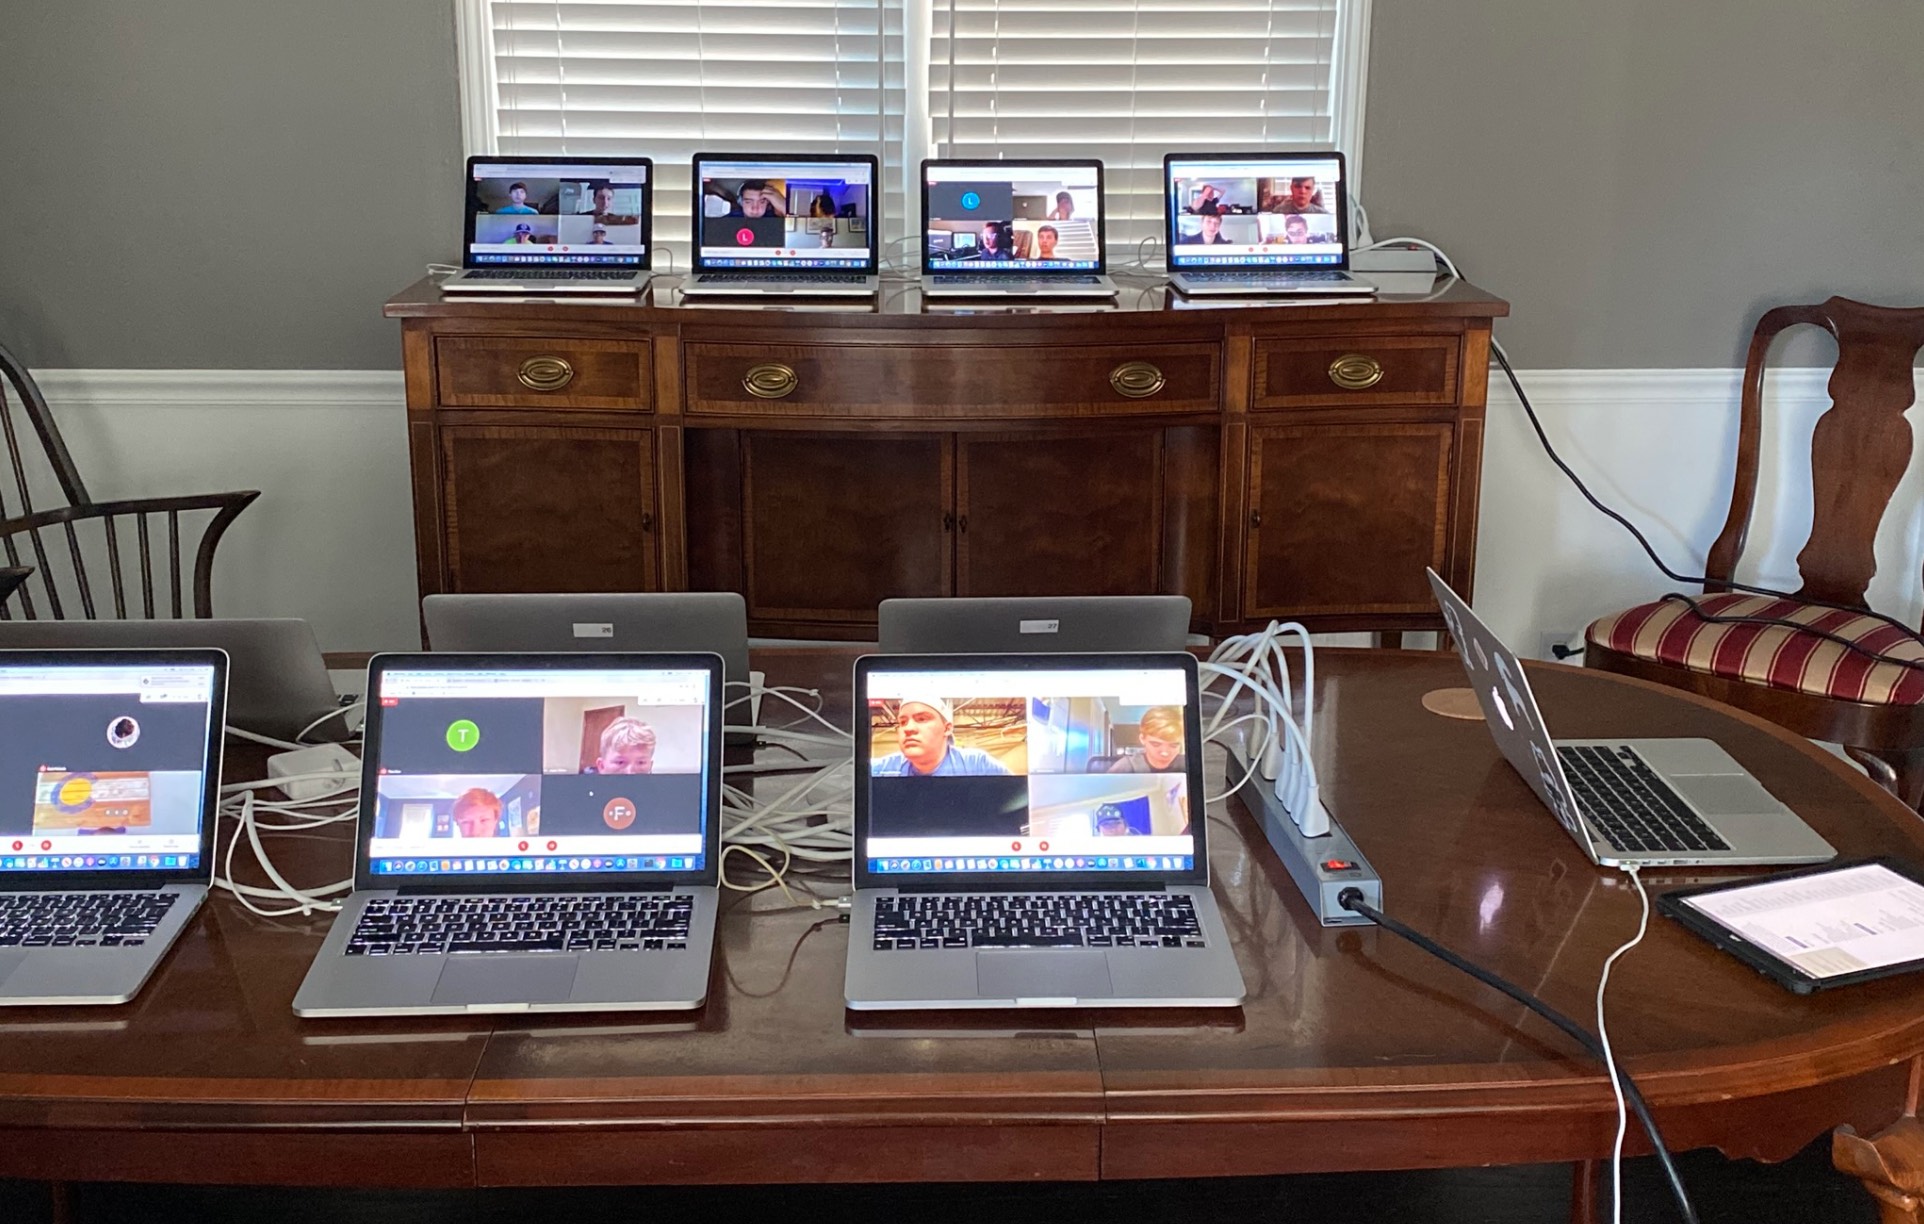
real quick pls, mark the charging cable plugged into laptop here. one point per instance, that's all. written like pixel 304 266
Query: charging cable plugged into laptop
pixel 1352 899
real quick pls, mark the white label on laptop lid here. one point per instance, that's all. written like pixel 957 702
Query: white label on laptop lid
pixel 1039 626
pixel 594 629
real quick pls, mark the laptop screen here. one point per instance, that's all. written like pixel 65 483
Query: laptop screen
pixel 106 767
pixel 775 214
pixel 1017 217
pixel 985 766
pixel 585 212
pixel 1276 210
pixel 553 768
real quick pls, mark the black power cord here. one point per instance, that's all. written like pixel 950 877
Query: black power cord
pixel 1352 899
pixel 1698 579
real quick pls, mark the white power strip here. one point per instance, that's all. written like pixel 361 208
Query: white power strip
pixel 320 759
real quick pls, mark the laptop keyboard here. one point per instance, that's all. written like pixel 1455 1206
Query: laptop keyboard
pixel 983 279
pixel 1630 805
pixel 787 278
pixel 1049 920
pixel 552 274
pixel 1247 276
pixel 433 926
pixel 81 919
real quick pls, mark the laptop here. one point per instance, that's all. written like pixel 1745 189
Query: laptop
pixel 1252 225
pixel 541 225
pixel 536 833
pixel 1014 849
pixel 1628 802
pixel 1013 229
pixel 714 622
pixel 789 225
pixel 109 794
pixel 278 683
pixel 1045 625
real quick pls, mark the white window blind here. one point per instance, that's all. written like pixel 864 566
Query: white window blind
pixel 671 78
pixel 1130 80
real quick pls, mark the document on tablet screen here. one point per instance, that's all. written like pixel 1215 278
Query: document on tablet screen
pixel 1829 924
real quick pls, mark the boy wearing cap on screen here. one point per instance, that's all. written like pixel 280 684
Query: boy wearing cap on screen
pixel 923 727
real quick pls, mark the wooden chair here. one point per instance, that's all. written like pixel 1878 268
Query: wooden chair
pixel 1793 677
pixel 69 546
pixel 12 578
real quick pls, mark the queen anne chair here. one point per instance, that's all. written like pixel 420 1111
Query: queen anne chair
pixel 1794 676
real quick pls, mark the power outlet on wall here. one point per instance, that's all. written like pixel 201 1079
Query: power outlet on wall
pixel 1550 641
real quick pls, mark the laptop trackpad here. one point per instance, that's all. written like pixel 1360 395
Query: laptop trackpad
pixel 505 979
pixel 9 961
pixel 1726 795
pixel 1034 974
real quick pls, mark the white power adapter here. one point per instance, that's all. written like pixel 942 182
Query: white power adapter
pixel 320 759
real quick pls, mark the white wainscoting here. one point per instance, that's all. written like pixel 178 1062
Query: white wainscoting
pixel 331 539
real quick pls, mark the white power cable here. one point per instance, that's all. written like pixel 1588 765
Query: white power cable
pixel 1609 1055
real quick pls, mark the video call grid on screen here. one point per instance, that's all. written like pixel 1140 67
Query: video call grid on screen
pixel 1021 218
pixel 1257 211
pixel 103 768
pixel 575 213
pixel 549 770
pixel 785 214
pixel 1028 770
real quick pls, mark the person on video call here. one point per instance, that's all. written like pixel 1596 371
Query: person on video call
pixel 1296 230
pixel 758 199
pixel 599 237
pixel 1205 198
pixel 601 201
pixel 924 733
pixel 1160 734
pixel 1065 207
pixel 1045 242
pixel 1211 233
pixel 627 747
pixel 477 813
pixel 823 205
pixel 517 199
pixel 1110 822
pixel 1303 197
pixel 523 233
pixel 996 243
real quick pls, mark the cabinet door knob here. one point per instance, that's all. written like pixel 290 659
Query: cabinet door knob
pixel 1136 380
pixel 948 521
pixel 1355 371
pixel 545 373
pixel 647 520
pixel 1255 518
pixel 770 380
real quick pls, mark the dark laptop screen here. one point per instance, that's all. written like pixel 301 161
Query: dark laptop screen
pixel 560 213
pixel 1013 217
pixel 1033 769
pixel 105 767
pixel 1276 210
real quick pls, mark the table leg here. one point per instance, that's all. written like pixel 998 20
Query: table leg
pixel 1586 1192
pixel 1891 1162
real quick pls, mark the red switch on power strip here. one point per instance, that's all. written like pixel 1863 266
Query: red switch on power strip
pixel 1338 865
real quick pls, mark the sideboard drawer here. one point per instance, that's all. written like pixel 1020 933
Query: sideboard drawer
pixel 1362 371
pixel 535 372
pixel 973 380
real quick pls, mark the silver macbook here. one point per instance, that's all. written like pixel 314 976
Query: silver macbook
pixel 1628 802
pixel 715 622
pixel 277 678
pixel 1253 225
pixel 1013 229
pixel 541 225
pixel 1043 625
pixel 1029 832
pixel 787 225
pixel 109 792
pixel 536 833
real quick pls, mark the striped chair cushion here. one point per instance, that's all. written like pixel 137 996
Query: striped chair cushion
pixel 1773 655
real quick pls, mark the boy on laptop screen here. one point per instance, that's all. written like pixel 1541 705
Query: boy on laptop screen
pixel 544 225
pixel 784 225
pixel 1258 223
pixel 995 227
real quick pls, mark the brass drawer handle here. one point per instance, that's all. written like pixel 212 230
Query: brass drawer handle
pixel 545 373
pixel 1137 380
pixel 770 380
pixel 1355 372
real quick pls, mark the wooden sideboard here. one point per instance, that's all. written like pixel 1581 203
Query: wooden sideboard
pixel 1292 459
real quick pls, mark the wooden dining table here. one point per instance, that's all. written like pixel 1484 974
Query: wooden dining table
pixel 1353 1051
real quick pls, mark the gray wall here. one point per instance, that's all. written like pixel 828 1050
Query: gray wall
pixel 1640 178
pixel 234 183
pixel 222 183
